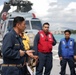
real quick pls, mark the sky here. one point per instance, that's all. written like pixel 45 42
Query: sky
pixel 59 13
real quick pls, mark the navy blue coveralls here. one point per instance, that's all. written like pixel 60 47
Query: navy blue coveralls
pixel 45 59
pixel 12 43
pixel 67 59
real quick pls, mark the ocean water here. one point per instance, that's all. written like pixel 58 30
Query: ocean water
pixel 58 37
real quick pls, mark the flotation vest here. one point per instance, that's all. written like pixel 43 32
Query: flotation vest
pixel 67 47
pixel 26 40
pixel 45 42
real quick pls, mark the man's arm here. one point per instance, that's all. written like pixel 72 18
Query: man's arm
pixel 75 50
pixel 59 50
pixel 7 47
pixel 36 43
pixel 54 43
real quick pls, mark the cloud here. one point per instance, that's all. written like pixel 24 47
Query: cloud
pixel 72 5
pixel 69 13
pixel 12 9
pixel 1 7
pixel 59 13
pixel 53 4
pixel 41 6
pixel 62 17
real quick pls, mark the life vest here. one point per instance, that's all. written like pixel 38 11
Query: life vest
pixel 26 41
pixel 67 47
pixel 45 42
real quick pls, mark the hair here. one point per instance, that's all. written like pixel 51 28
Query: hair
pixel 46 23
pixel 67 31
pixel 17 19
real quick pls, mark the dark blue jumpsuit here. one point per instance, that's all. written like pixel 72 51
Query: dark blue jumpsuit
pixel 12 43
pixel 45 59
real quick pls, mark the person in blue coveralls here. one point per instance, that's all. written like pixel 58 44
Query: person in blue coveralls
pixel 13 50
pixel 67 53
pixel 43 44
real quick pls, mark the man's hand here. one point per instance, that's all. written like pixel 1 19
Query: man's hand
pixel 22 53
pixel 35 57
pixel 60 58
pixel 75 57
pixel 30 52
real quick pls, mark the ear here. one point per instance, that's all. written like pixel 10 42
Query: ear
pixel 18 25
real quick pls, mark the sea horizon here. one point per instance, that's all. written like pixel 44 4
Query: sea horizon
pixel 58 37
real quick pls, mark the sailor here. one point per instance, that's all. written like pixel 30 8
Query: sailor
pixel 43 44
pixel 13 50
pixel 67 53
